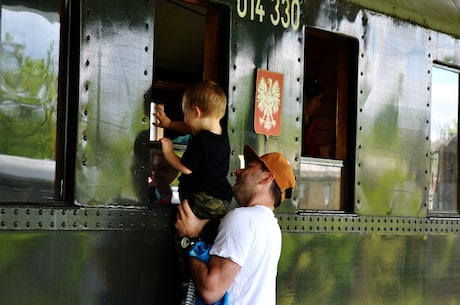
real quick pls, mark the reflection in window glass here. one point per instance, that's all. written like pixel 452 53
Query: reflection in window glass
pixel 28 96
pixel 444 134
pixel 163 183
pixel 320 184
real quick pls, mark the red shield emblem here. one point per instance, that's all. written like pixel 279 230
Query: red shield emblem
pixel 269 99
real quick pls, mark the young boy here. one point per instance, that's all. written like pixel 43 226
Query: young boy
pixel 205 163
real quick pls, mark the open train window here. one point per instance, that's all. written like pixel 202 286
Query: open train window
pixel 29 60
pixel 197 52
pixel 443 191
pixel 328 120
pixel 190 45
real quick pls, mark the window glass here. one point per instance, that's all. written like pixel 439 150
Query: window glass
pixel 444 134
pixel 29 48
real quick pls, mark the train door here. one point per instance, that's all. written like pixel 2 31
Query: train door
pixel 328 134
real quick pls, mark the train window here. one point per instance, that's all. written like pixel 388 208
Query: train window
pixel 443 190
pixel 29 45
pixel 197 53
pixel 194 54
pixel 329 104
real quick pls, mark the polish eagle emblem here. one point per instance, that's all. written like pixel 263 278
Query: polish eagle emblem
pixel 269 100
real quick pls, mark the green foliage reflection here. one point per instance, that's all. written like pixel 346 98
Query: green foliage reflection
pixel 28 98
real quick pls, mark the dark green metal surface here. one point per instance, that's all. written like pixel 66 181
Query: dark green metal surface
pixel 109 249
pixel 439 15
pixel 116 69
pixel 368 269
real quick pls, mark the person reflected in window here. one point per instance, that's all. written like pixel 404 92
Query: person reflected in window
pixel 162 174
pixel 314 93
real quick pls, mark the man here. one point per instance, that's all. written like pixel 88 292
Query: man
pixel 244 257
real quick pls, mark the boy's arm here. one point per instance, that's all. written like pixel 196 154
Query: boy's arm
pixel 179 126
pixel 173 159
pixel 163 121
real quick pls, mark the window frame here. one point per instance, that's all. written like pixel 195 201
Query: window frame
pixel 455 204
pixel 345 93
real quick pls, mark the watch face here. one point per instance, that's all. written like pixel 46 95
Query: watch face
pixel 185 242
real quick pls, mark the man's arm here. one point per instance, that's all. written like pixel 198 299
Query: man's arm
pixel 213 280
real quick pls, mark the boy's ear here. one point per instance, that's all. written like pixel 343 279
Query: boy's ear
pixel 197 111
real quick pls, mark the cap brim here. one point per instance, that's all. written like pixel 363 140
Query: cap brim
pixel 250 155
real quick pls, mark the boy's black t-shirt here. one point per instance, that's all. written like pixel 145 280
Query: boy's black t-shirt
pixel 207 156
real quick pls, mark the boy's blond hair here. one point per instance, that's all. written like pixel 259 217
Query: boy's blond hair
pixel 208 96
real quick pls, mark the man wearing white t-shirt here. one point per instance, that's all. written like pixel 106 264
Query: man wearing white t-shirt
pixel 245 254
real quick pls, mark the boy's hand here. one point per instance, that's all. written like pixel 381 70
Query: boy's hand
pixel 162 119
pixel 166 145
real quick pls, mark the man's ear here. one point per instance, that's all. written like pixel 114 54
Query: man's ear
pixel 266 177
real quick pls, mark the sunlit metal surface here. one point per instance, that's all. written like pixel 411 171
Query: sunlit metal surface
pixel 393 122
pixel 113 255
pixel 106 256
pixel 393 114
pixel 255 45
pixel 87 256
pixel 86 219
pixel 368 269
pixel 115 77
pixel 394 119
pixel 322 222
pixel 439 15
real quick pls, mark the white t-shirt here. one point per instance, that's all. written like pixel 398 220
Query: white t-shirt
pixel 251 237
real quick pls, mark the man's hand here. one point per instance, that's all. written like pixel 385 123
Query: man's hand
pixel 187 224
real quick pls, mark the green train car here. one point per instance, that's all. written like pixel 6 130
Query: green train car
pixel 375 216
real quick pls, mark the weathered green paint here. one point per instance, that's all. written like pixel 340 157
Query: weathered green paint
pixel 439 15
pixel 94 257
pixel 368 269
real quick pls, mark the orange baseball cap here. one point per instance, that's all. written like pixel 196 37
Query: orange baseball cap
pixel 277 164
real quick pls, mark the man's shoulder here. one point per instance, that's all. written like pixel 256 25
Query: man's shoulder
pixel 237 213
pixel 249 212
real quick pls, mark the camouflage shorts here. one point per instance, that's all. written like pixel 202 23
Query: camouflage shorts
pixel 205 206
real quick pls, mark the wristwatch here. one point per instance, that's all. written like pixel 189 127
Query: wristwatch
pixel 187 242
